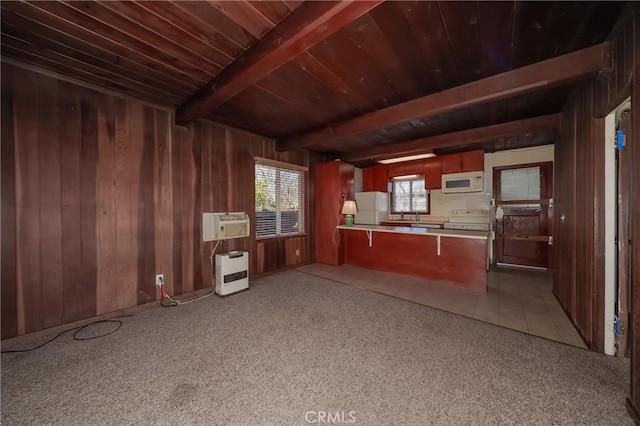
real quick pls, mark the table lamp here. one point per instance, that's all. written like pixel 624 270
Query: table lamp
pixel 349 209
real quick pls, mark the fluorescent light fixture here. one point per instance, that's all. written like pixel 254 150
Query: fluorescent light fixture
pixel 406 177
pixel 407 158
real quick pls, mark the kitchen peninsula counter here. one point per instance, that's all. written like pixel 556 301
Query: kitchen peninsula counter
pixel 421 230
pixel 448 256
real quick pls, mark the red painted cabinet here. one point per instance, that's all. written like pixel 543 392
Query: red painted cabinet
pixel 473 161
pixel 470 161
pixel 331 181
pixel 433 173
pixel 368 179
pixel 394 169
pixel 381 178
pixel 405 168
pixel 375 178
pixel 451 163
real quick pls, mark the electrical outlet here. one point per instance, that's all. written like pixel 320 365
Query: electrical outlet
pixel 297 252
pixel 160 280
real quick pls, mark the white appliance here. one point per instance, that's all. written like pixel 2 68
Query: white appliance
pixel 371 217
pixel 469 219
pixel 373 207
pixel 232 272
pixel 462 182
pixel 224 226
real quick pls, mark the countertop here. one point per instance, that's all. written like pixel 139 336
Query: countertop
pixel 424 223
pixel 457 233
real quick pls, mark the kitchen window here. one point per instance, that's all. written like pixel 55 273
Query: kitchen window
pixel 279 197
pixel 409 195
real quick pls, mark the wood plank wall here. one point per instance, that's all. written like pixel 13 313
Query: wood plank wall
pixel 100 193
pixel 579 185
pixel 633 402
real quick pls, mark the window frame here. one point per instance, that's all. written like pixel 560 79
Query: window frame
pixel 411 179
pixel 304 184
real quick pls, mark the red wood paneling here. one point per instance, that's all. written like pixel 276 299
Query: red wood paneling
pixel 579 190
pixel 69 112
pixel 634 397
pixel 50 201
pixel 107 188
pixel 27 205
pixel 101 193
pixel 8 209
pixel 462 261
pixel 85 297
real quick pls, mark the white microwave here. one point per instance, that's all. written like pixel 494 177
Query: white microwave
pixel 462 182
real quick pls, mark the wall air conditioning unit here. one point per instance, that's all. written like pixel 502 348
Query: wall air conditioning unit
pixel 225 226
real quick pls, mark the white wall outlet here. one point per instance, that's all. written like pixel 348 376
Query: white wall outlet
pixel 297 252
pixel 160 280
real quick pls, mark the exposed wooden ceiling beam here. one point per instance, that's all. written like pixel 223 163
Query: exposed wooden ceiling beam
pixel 306 26
pixel 480 134
pixel 541 75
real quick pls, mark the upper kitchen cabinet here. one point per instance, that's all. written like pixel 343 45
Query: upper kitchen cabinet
pixel 404 168
pixel 368 179
pixel 380 178
pixel 375 178
pixel 433 173
pixel 473 161
pixel 470 161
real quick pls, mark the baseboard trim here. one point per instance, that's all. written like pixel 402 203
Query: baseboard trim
pixel 17 340
pixel 513 265
pixel 635 416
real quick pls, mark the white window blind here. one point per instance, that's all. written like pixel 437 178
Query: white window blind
pixel 520 184
pixel 410 196
pixel 279 194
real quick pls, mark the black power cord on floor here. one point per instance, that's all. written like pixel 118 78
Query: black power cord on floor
pixel 75 335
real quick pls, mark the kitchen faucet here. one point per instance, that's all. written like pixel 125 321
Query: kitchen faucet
pixel 401 215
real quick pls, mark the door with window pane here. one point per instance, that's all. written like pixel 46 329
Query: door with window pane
pixel 524 210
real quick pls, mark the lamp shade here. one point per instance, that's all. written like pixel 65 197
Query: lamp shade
pixel 349 207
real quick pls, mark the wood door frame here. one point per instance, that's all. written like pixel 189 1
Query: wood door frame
pixel 546 198
pixel 633 400
pixel 623 232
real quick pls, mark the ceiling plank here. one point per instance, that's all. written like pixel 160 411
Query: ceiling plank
pixel 479 134
pixel 309 24
pixel 542 75
pixel 60 43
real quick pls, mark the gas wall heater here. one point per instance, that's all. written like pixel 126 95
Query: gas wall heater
pixel 232 272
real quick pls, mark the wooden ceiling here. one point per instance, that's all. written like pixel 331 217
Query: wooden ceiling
pixel 354 80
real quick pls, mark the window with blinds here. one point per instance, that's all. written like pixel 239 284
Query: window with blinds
pixel 279 200
pixel 410 195
pixel 520 184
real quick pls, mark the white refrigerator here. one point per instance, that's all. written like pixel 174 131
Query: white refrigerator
pixel 373 207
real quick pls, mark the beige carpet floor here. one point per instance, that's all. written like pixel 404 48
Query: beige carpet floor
pixel 297 345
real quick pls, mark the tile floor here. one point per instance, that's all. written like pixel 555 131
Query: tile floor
pixel 519 299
